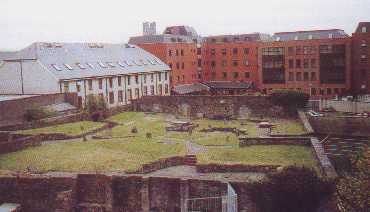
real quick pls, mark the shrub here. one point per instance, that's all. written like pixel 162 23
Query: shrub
pixel 148 135
pixel 290 100
pixel 134 130
pixel 95 106
pixel 37 113
pixel 290 190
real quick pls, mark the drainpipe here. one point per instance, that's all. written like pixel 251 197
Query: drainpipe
pixel 20 62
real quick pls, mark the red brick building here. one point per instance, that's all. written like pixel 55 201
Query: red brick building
pixel 315 62
pixel 360 59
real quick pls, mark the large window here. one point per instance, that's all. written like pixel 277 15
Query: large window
pixel 111 98
pixel 90 84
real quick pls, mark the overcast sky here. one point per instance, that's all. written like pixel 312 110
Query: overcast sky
pixel 25 21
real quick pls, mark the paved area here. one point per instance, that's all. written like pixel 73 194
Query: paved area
pixel 194 148
pixel 190 172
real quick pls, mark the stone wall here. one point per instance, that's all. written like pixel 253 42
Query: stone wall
pixel 208 106
pixel 15 109
pixel 341 126
pixel 246 141
pixel 222 168
pixel 17 142
pixel 160 164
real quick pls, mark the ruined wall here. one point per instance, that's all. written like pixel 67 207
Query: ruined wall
pixel 209 106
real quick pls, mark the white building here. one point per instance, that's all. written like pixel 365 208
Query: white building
pixel 118 72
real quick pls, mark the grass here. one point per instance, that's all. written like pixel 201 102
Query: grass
pixel 71 129
pixel 261 155
pixel 96 155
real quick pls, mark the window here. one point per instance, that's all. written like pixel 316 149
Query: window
pixel 182 52
pixel 213 75
pixel 199 51
pixel 151 77
pixel 170 65
pixel 224 75
pixel 246 50
pixel 66 87
pixel 328 91
pixel 128 80
pixel 78 87
pixel 177 65
pixel 213 51
pixel 81 66
pixel 90 65
pixel 305 63
pixel 247 75
pixel 102 65
pixel 236 75
pixel 100 83
pixel 336 90
pixel 298 50
pixel 313 91
pixel 160 89
pixel 111 98
pixel 144 76
pixel 120 96
pixel 313 76
pixel 363 43
pixel 291 63
pixel 235 63
pixel 136 79
pixel 224 63
pixel 152 90
pixel 68 66
pixel 299 76
pixel 170 52
pixel 110 82
pixel 291 76
pixel 313 63
pixel 305 76
pixel 223 52
pixel 165 76
pixel 246 63
pixel 182 65
pixel 363 29
pixel 298 63
pixel 56 67
pixel 166 88
pixel 199 62
pixel 235 51
pixel 145 90
pixel 119 80
pixel 137 93
pixel 213 64
pixel 363 58
pixel 90 84
pixel 290 50
pixel 177 52
pixel 129 92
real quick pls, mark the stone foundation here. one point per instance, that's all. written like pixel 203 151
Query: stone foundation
pixel 222 168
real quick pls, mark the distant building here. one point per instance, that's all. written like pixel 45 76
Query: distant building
pixel 117 72
pixel 149 28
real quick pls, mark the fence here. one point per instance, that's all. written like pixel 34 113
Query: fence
pixel 339 105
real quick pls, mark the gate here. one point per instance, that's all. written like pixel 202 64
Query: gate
pixel 227 203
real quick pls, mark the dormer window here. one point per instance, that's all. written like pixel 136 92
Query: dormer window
pixel 56 67
pixel 102 65
pixel 363 29
pixel 310 37
pixel 330 35
pixel 81 66
pixel 277 38
pixel 68 66
pixel 110 64
pixel 296 38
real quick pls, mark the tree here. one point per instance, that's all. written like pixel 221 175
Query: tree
pixel 96 106
pixel 290 100
pixel 353 189
pixel 290 190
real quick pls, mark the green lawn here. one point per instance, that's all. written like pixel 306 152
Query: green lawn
pixel 95 155
pixel 71 129
pixel 261 154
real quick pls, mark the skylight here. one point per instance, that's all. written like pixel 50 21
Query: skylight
pixel 110 64
pixel 91 65
pixel 56 67
pixel 151 62
pixel 68 66
pixel 102 65
pixel 121 64
pixel 136 63
pixel 157 61
pixel 128 63
pixel 81 66
pixel 144 62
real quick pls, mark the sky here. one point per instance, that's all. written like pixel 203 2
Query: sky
pixel 23 22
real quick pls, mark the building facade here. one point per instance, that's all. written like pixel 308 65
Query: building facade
pixel 116 72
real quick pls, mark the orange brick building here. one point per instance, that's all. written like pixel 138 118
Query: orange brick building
pixel 315 62
pixel 360 59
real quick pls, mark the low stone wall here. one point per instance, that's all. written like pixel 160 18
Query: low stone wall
pixel 223 168
pixel 245 141
pixel 18 143
pixel 306 123
pixel 324 163
pixel 160 164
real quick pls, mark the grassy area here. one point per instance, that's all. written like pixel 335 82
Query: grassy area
pixel 71 129
pixel 261 154
pixel 96 155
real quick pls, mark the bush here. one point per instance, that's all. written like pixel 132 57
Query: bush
pixel 96 106
pixel 290 100
pixel 134 130
pixel 37 113
pixel 290 190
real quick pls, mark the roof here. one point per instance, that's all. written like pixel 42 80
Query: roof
pixel 308 35
pixel 181 30
pixel 14 97
pixel 238 38
pixel 228 85
pixel 83 60
pixel 189 88
pixel 361 25
pixel 165 38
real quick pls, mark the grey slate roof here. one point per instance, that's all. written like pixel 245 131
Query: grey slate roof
pixel 132 59
pixel 189 88
pixel 238 38
pixel 306 35
pixel 228 85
